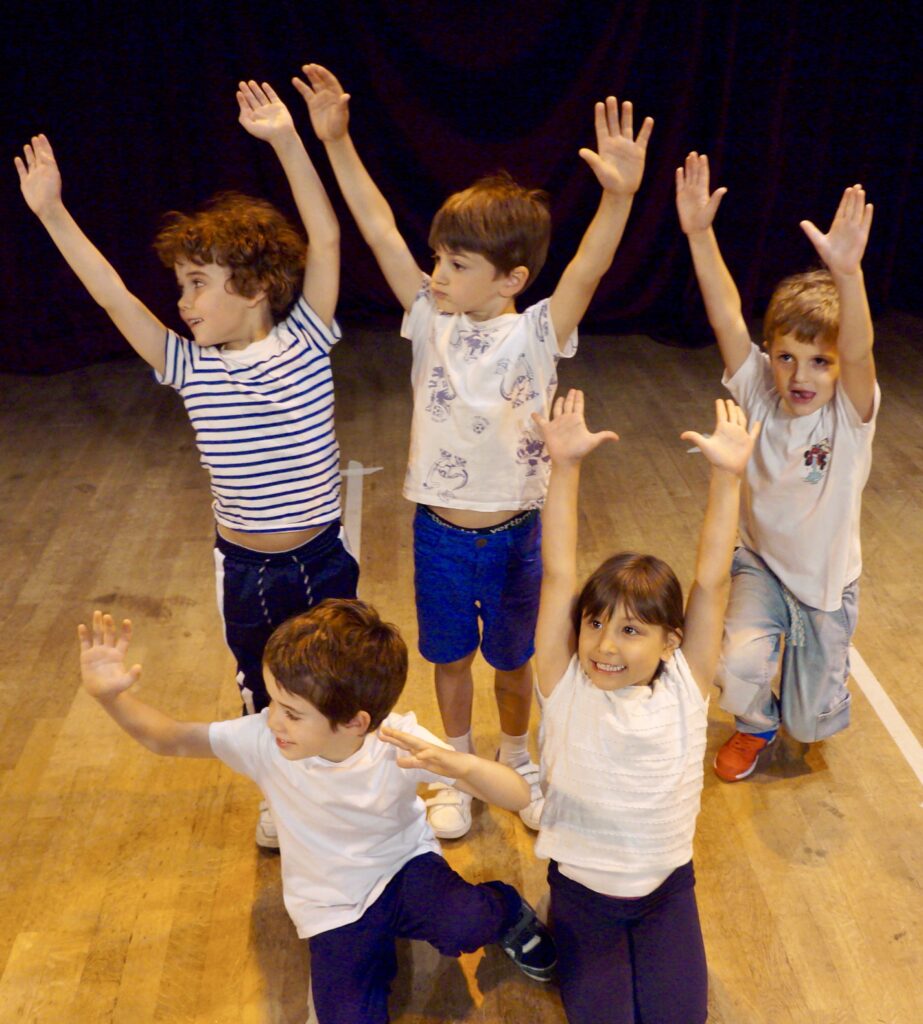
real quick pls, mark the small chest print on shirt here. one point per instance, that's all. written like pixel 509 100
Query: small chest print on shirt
pixel 816 459
pixel 441 394
pixel 472 343
pixel 517 384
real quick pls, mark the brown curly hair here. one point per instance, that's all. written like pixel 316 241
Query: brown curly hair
pixel 507 224
pixel 262 250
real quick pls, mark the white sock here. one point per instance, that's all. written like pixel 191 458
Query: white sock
pixel 462 744
pixel 514 750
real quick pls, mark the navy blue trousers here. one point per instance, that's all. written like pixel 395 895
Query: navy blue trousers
pixel 630 961
pixel 257 592
pixel 352 967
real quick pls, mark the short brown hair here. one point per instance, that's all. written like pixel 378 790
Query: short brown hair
pixel 646 586
pixel 504 222
pixel 805 305
pixel 341 658
pixel 262 250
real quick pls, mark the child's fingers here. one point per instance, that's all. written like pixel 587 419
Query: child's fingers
pixel 628 120
pixel 124 636
pixel 270 92
pixel 647 126
pixel 258 92
pixel 815 235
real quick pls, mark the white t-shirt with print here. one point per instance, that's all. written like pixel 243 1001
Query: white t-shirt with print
pixel 473 444
pixel 345 828
pixel 802 497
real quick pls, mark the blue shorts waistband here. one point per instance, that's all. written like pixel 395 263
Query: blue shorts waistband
pixel 521 518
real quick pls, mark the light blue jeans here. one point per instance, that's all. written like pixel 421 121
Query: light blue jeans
pixel 813 701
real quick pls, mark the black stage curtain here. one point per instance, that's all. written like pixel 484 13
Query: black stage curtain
pixel 792 101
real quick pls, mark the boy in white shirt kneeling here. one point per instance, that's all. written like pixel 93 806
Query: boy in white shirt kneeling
pixel 360 865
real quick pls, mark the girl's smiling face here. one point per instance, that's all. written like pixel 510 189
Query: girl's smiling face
pixel 620 650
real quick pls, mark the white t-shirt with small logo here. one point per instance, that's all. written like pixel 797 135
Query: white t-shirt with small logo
pixel 802 497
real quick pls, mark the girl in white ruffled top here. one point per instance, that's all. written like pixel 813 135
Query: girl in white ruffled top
pixel 623 676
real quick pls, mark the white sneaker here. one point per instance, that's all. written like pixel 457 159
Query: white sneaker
pixel 266 834
pixel 531 814
pixel 448 811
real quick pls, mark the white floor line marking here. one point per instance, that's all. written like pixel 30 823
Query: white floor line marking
pixel 352 503
pixel 890 717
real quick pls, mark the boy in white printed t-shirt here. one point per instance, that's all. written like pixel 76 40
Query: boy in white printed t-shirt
pixel 477 468
pixel 360 864
pixel 255 379
pixel 795 579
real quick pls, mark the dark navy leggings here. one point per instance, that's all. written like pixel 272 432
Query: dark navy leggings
pixel 630 961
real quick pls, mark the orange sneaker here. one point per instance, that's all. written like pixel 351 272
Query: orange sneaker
pixel 737 758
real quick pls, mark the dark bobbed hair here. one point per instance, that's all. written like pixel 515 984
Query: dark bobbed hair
pixel 262 250
pixel 806 306
pixel 507 224
pixel 646 586
pixel 342 658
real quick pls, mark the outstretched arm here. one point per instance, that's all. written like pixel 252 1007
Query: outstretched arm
pixel 105 677
pixel 328 106
pixel 618 164
pixel 40 181
pixel 842 249
pixel 728 450
pixel 568 442
pixel 266 117
pixel 491 781
pixel 697 207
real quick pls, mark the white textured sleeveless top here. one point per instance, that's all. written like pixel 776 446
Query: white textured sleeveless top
pixel 622 775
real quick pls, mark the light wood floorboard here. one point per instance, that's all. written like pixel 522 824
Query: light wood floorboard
pixel 131 890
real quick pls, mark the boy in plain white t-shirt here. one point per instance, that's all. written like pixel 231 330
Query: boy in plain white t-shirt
pixel 795 579
pixel 477 469
pixel 360 865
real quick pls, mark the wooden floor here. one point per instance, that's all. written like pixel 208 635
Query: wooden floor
pixel 131 890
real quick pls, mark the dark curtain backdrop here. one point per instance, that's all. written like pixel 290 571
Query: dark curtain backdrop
pixel 791 100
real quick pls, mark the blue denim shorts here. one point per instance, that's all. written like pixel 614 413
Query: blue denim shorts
pixel 477 588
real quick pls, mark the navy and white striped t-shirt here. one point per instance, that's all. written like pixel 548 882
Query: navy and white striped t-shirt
pixel 263 420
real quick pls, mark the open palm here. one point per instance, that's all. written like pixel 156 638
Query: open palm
pixel 262 113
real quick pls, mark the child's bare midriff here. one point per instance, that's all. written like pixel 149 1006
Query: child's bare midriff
pixel 271 542
pixel 471 519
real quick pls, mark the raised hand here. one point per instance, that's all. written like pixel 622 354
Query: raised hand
pixel 730 446
pixel 102 657
pixel 39 177
pixel 327 103
pixel 843 246
pixel 619 160
pixel 566 436
pixel 421 754
pixel 262 113
pixel 694 204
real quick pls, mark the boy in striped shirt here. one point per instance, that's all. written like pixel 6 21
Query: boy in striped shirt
pixel 255 379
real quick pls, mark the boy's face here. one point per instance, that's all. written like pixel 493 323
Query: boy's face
pixel 467 282
pixel 214 314
pixel 621 651
pixel 301 731
pixel 804 372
